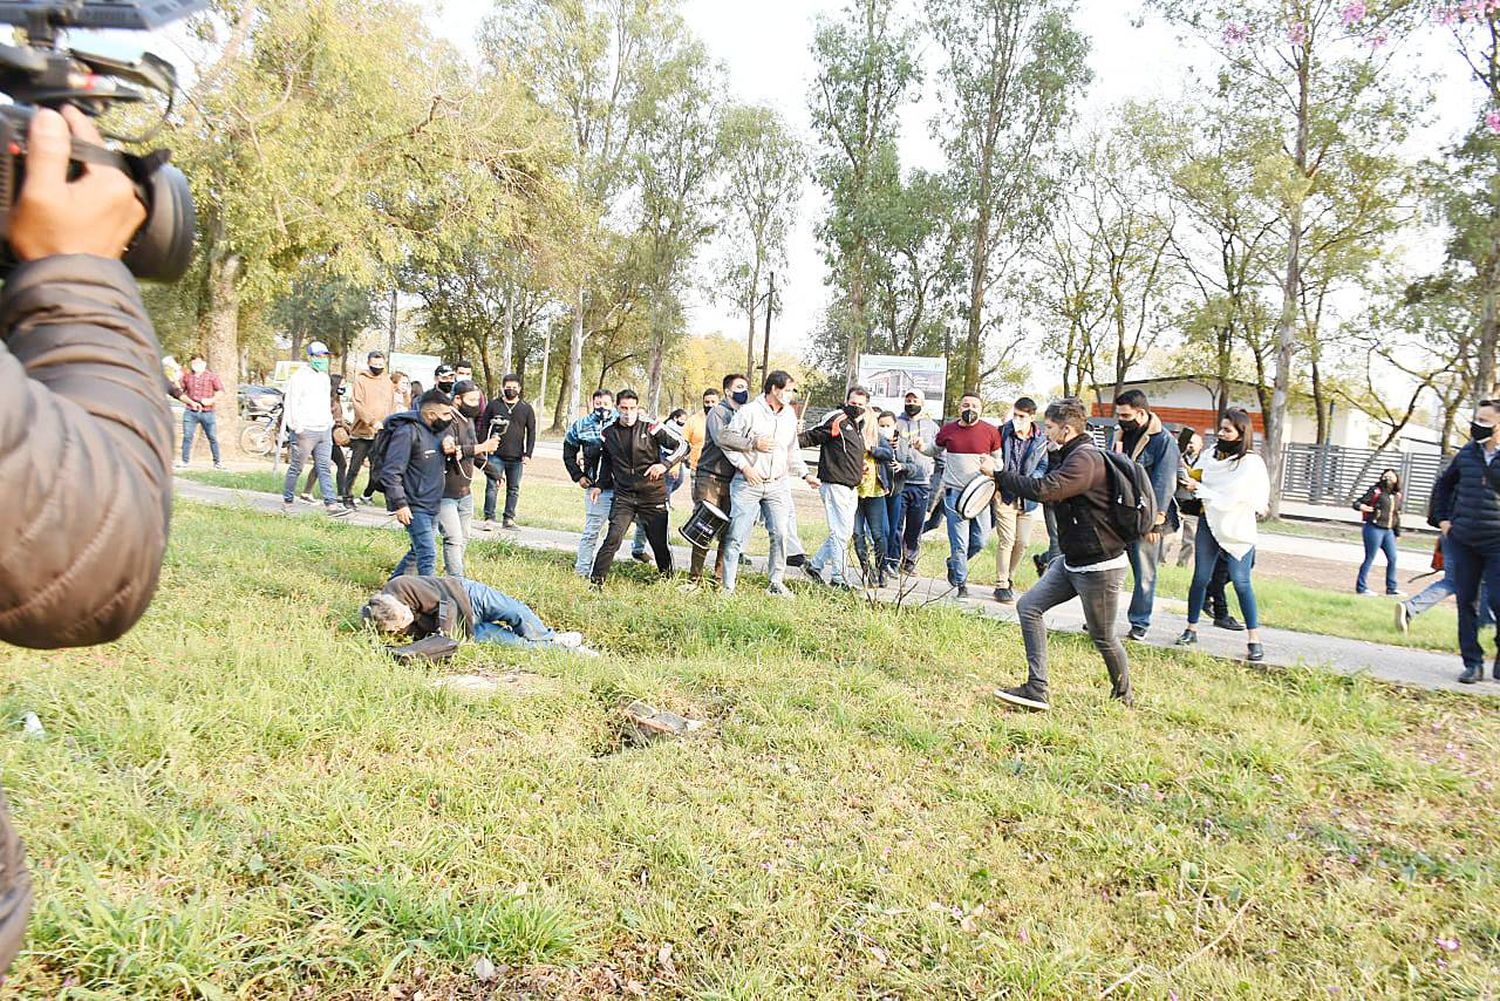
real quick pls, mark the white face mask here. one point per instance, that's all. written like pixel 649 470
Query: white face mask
pixel 1020 424
pixel 199 366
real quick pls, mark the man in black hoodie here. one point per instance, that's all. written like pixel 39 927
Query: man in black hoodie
pixel 637 458
pixel 412 475
pixel 515 421
pixel 1093 563
pixel 840 438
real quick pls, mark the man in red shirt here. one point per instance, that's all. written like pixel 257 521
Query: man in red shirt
pixel 964 443
pixel 200 393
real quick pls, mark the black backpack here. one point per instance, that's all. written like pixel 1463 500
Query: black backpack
pixel 1132 498
pixel 378 448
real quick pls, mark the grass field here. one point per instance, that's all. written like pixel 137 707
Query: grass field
pixel 1282 603
pixel 246 798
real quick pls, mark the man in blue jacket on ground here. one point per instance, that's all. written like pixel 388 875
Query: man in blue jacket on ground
pixel 412 474
pixel 1142 437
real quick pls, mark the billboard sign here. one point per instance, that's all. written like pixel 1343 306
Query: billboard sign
pixel 890 377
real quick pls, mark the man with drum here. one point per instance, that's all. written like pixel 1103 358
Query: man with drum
pixel 713 472
pixel 965 443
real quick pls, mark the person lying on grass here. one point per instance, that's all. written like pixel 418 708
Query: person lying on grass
pixel 416 607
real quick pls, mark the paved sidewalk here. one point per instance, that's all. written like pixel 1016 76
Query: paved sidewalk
pixel 1284 648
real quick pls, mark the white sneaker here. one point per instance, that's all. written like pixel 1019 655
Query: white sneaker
pixel 1403 617
pixel 179 464
pixel 288 507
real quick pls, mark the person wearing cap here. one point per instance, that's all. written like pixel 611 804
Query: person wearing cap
pixel 909 507
pixel 445 376
pixel 374 401
pixel 309 423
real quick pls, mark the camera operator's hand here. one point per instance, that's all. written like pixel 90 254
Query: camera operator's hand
pixel 95 214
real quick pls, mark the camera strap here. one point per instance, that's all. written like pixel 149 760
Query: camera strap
pixel 138 168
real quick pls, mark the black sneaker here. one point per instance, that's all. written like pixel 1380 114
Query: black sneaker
pixel 1255 653
pixel 1471 674
pixel 1039 563
pixel 640 557
pixel 508 523
pixel 963 590
pixel 800 560
pixel 812 572
pixel 1229 622
pixel 1137 633
pixel 1124 698
pixel 337 510
pixel 1005 596
pixel 1497 667
pixel 1189 637
pixel 1024 696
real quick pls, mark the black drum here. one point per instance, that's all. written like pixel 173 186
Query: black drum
pixel 703 529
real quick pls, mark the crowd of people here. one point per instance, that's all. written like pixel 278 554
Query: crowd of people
pixel 884 478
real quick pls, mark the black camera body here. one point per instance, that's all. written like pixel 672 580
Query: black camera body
pixel 40 74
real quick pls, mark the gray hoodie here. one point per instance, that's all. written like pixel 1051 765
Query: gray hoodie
pixel 919 428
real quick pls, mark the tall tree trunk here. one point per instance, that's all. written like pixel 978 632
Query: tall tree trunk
pixel 1319 403
pixel 541 389
pixel 221 333
pixel 858 311
pixel 653 372
pixel 568 398
pixel 1489 329
pixel 1286 328
pixel 750 322
pixel 979 257
pixel 507 346
pixel 1225 347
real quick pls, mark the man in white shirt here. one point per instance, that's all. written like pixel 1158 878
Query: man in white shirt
pixel 761 443
pixel 307 414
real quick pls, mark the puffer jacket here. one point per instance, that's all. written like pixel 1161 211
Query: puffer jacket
pixel 1077 485
pixel 1468 495
pixel 85 435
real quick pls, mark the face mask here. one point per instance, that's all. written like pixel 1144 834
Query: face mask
pixel 376 367
pixel 601 412
pixel 681 425
pixel 708 408
pixel 889 432
pixel 968 416
pixel 320 364
pixel 913 409
pixel 629 419
pixel 446 386
pixel 468 411
pixel 441 425
pixel 1480 432
pixel 853 411
pixel 511 394
pixel 199 366
pixel 1020 424
pixel 740 397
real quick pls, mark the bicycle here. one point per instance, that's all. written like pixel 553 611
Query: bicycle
pixel 261 435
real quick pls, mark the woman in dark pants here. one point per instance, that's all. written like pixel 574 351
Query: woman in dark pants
pixel 1381 509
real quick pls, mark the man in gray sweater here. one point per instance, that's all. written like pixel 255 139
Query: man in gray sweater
pixel 714 473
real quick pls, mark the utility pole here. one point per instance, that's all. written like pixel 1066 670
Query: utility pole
pixel 765 348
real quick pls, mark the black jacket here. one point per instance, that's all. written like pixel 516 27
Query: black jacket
pixel 1468 495
pixel 519 439
pixel 1387 505
pixel 712 461
pixel 841 452
pixel 458 473
pixel 630 451
pixel 414 471
pixel 438 605
pixel 1077 486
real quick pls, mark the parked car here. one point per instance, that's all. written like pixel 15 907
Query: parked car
pixel 257 401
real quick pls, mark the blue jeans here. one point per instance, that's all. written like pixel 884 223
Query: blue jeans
pixel 1144 556
pixel 959 554
pixel 453 519
pixel 595 518
pixel 1382 540
pixel 495 470
pixel 421 558
pixel 1206 552
pixel 499 618
pixel 1444 587
pixel 191 421
pixel 871 521
pixel 839 506
pixel 318 445
pixel 908 511
pixel 746 503
pixel 1473 569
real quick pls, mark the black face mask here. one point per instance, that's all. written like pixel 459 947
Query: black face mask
pixel 1480 432
pixel 913 409
pixel 968 416
pixel 468 411
pixel 376 369
pixel 441 425
pixel 853 411
pixel 510 394
pixel 708 408
pixel 446 387
pixel 741 398
pixel 1224 449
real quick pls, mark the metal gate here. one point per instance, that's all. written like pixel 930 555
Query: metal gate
pixel 1331 474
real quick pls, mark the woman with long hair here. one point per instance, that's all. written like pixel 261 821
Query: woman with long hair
pixel 1381 510
pixel 1234 487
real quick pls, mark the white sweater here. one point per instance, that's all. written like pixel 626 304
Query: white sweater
pixel 1233 492
pixel 307 405
pixel 755 420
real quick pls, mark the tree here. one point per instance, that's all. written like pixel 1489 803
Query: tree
pixel 763 167
pixel 675 165
pixel 1011 71
pixel 866 70
pixel 1316 69
pixel 326 307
